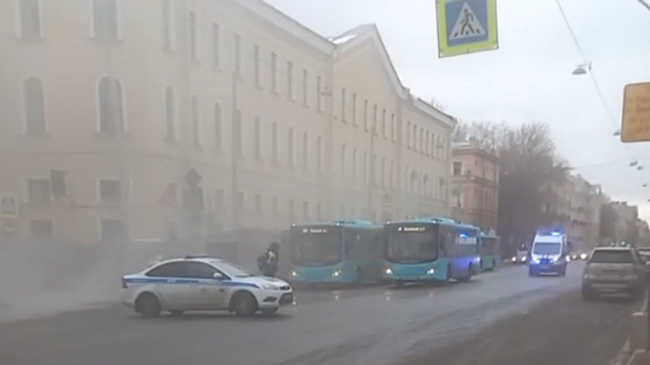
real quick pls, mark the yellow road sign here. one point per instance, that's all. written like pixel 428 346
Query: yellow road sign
pixel 636 113
pixel 466 26
pixel 8 206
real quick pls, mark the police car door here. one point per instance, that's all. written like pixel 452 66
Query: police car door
pixel 209 293
pixel 173 284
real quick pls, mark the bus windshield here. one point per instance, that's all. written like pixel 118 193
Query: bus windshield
pixel 411 244
pixel 547 248
pixel 316 246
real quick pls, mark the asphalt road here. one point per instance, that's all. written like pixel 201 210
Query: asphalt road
pixel 559 331
pixel 356 326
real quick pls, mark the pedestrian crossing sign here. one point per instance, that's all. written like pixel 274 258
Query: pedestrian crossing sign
pixel 8 206
pixel 466 26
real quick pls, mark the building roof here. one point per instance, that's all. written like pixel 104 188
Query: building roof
pixel 342 43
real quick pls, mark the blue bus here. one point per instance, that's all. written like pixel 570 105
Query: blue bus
pixel 430 249
pixel 342 251
pixel 490 249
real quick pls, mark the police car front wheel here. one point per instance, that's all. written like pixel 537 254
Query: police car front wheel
pixel 244 304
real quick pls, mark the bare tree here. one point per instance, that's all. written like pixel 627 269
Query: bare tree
pixel 438 105
pixel 530 172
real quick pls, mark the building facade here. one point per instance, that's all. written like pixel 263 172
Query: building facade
pixel 475 193
pixel 185 118
pixel 586 201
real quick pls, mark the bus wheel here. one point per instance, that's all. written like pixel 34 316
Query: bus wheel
pixel 448 274
pixel 359 275
pixel 470 273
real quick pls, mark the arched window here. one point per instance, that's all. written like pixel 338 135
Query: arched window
pixel 170 114
pixel 290 147
pixel 34 106
pixel 111 109
pixel 218 127
pixel 196 122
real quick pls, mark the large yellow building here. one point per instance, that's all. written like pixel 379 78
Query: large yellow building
pixel 233 115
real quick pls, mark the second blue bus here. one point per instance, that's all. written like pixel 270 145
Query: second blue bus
pixel 490 250
pixel 430 249
pixel 342 251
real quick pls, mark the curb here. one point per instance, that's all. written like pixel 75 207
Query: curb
pixel 623 356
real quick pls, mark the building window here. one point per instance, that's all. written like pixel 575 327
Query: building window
pixel 292 209
pixel 290 147
pixel 194 34
pixel 393 127
pixel 427 144
pixel 111 230
pixel 383 123
pixel 258 138
pixel 305 87
pixel 275 206
pixel 168 24
pixel 305 151
pixel 365 115
pixel 196 122
pixel 216 45
pixel 374 119
pixel 354 163
pixel 305 210
pixel 319 96
pixel 274 142
pixel 257 54
pixel 34 107
pixel 343 97
pixel 41 228
pixel 258 205
pixel 170 114
pixel 290 80
pixel 274 72
pixel 391 174
pixel 422 140
pixel 343 160
pixel 354 110
pixel 105 19
pixel 111 110
pixel 220 201
pixel 318 154
pixel 382 179
pixel 408 134
pixel 240 203
pixel 319 213
pixel 238 136
pixel 218 127
pixel 365 167
pixel 39 191
pixel 110 191
pixel 414 136
pixel 238 58
pixel 30 19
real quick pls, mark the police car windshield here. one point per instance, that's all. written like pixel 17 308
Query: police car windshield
pixel 232 269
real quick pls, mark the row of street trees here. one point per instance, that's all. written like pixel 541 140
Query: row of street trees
pixel 529 169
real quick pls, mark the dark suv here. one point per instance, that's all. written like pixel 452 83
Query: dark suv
pixel 613 270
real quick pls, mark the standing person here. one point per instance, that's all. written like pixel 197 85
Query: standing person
pixel 268 261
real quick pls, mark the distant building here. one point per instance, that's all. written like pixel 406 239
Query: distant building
pixel 584 226
pixel 475 192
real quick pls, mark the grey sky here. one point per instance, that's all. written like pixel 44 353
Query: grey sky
pixel 528 78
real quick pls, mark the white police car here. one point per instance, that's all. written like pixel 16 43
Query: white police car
pixel 202 283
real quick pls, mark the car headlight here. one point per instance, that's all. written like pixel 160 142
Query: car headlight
pixel 514 258
pixel 336 273
pixel 431 271
pixel 524 258
pixel 583 256
pixel 269 287
pixel 293 273
pixel 389 271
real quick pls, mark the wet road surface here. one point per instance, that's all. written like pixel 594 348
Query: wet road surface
pixel 374 325
pixel 560 331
